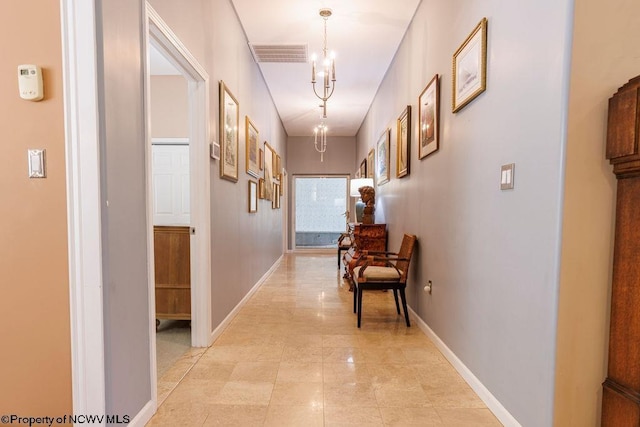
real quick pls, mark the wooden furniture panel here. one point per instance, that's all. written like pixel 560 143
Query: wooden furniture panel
pixel 622 126
pixel 621 389
pixel 173 272
pixel 619 409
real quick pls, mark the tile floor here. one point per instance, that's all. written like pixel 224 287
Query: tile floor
pixel 294 357
pixel 173 340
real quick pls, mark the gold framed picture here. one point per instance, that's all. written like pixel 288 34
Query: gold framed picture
pixel 371 163
pixel 404 141
pixel 274 200
pixel 268 171
pixel 382 169
pixel 429 118
pixel 251 137
pixel 229 123
pixel 253 196
pixel 470 67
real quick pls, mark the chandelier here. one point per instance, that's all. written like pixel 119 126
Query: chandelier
pixel 328 72
pixel 320 139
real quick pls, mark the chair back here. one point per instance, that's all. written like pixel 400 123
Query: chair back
pixel 406 250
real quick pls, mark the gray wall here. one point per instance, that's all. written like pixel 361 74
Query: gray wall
pixel 492 255
pixel 303 159
pixel 126 299
pixel 244 246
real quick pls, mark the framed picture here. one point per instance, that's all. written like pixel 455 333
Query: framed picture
pixel 363 168
pixel 261 188
pixel 277 166
pixel 371 162
pixel 470 67
pixel 274 199
pixel 253 196
pixel 261 158
pixel 382 169
pixel 278 189
pixel 403 140
pixel 229 123
pixel 429 117
pixel 251 137
pixel 268 171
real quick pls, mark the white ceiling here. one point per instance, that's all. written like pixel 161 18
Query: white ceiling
pixel 364 34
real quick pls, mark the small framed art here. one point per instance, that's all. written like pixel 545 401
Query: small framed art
pixel 429 118
pixel 371 163
pixel 275 196
pixel 382 169
pixel 229 124
pixel 269 156
pixel 253 196
pixel 251 137
pixel 470 67
pixel 403 141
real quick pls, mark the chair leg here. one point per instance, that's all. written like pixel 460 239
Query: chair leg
pixel 395 296
pixel 404 306
pixel 355 298
pixel 359 305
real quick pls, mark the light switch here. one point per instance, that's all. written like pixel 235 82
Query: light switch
pixel 506 176
pixel 37 163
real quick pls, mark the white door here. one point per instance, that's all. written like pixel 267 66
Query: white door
pixel 171 203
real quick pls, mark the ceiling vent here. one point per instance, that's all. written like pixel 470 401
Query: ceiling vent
pixel 279 53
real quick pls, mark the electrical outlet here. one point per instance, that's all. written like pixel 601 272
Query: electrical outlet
pixel 428 286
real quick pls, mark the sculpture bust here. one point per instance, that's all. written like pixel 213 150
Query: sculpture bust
pixel 368 196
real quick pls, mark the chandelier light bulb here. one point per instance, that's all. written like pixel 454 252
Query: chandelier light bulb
pixel 320 139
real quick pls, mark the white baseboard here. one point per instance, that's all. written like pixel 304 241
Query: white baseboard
pixel 227 320
pixel 144 415
pixel 483 393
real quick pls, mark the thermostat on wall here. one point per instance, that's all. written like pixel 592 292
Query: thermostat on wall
pixel 30 82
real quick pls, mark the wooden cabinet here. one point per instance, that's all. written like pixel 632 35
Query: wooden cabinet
pixel 621 389
pixel 173 272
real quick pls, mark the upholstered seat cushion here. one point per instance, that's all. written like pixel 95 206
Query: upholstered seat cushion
pixel 377 274
pixel 345 242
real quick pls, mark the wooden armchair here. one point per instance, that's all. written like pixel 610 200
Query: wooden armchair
pixel 389 272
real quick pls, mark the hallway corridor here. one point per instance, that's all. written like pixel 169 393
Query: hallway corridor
pixel 294 357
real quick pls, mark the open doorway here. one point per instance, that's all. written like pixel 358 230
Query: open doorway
pixel 320 205
pixel 178 209
pixel 169 118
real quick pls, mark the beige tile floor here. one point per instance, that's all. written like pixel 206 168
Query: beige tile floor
pixel 294 357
